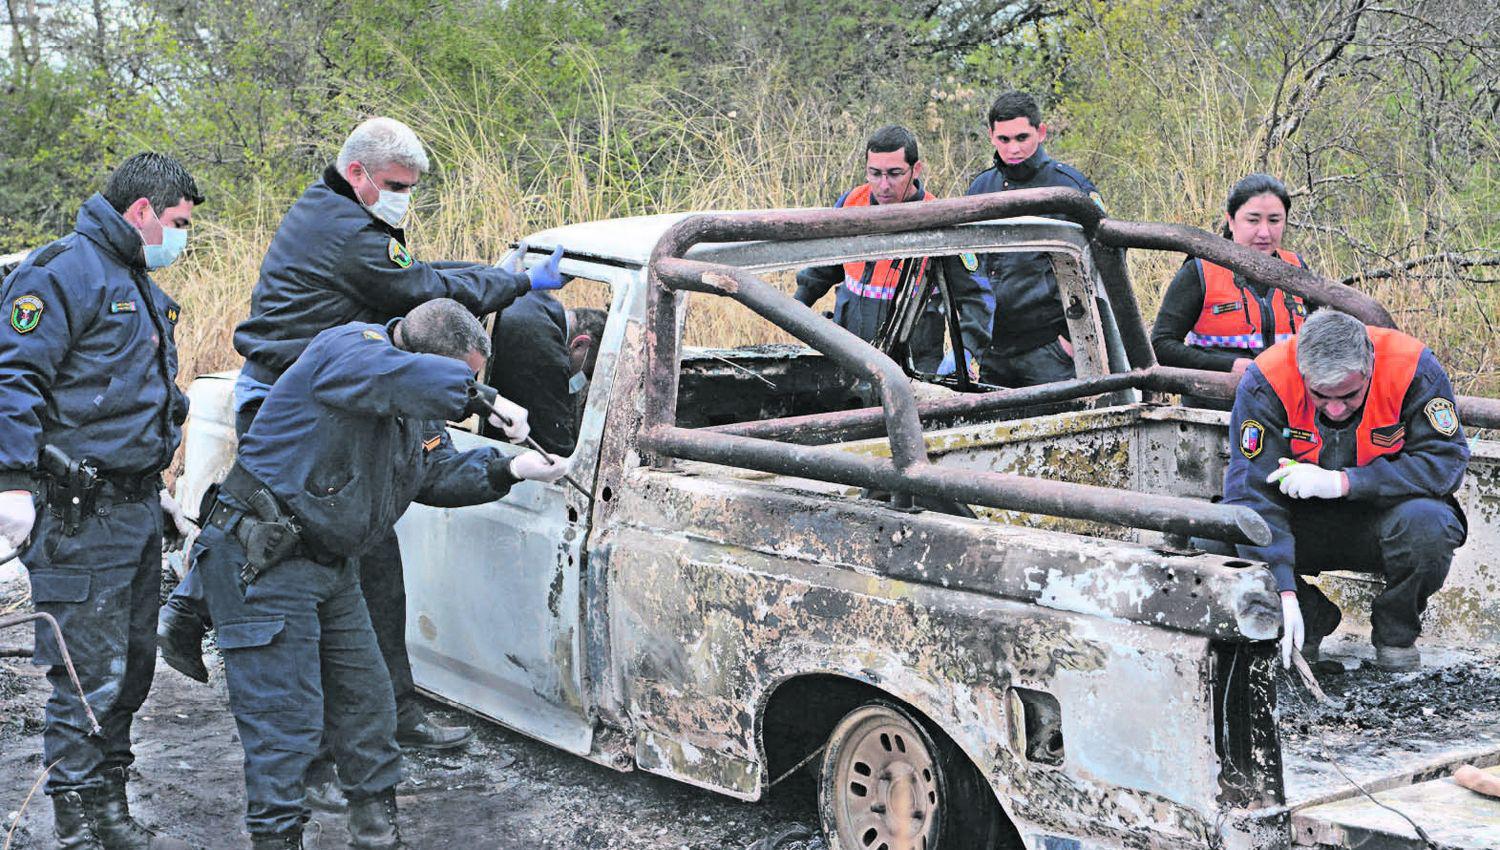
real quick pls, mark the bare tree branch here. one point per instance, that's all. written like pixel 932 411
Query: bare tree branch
pixel 1452 258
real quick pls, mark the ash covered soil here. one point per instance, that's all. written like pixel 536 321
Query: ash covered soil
pixel 504 791
pixel 1379 724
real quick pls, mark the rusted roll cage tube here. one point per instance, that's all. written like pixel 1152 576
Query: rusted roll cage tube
pixel 909 470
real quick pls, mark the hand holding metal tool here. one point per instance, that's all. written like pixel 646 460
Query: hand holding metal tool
pixel 484 398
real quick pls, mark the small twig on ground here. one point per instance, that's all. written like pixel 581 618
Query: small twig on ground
pixel 10 833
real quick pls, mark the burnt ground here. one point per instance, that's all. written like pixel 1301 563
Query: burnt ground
pixel 505 791
pixel 1380 724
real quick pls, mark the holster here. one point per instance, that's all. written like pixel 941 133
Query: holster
pixel 268 533
pixel 70 487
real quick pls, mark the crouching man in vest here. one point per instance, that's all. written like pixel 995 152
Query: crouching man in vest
pixel 1347 442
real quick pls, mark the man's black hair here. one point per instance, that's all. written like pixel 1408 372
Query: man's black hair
pixel 1250 186
pixel 1015 104
pixel 894 137
pixel 443 326
pixel 157 177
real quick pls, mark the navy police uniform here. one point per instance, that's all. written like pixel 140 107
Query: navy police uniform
pixel 865 291
pixel 347 438
pixel 536 369
pixel 88 364
pixel 1404 453
pixel 1024 350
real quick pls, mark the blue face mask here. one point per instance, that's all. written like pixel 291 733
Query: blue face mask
pixel 173 242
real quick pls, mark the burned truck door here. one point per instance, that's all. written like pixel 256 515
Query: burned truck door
pixel 494 610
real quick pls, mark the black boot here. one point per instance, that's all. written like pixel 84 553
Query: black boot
pixel 372 823
pixel 109 809
pixel 179 636
pixel 427 734
pixel 74 829
pixel 289 840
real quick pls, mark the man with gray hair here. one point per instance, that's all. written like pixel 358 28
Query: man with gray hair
pixel 347 438
pixel 342 256
pixel 1347 442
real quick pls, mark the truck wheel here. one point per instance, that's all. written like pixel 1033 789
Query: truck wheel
pixel 887 785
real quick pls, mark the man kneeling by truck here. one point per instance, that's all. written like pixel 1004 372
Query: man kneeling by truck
pixel 1347 442
pixel 348 437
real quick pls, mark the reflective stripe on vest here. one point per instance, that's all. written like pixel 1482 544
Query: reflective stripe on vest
pixel 880 282
pixel 1396 356
pixel 1231 316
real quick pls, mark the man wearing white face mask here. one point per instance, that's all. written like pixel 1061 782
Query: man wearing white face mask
pixel 88 363
pixel 342 256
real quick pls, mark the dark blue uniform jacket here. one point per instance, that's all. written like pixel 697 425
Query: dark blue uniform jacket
pixel 532 368
pixel 1028 309
pixel 332 262
pixel 93 372
pixel 1429 464
pixel 353 433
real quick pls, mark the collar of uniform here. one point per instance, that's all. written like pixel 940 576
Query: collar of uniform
pixel 1027 168
pixel 99 223
pixel 335 181
pixel 390 330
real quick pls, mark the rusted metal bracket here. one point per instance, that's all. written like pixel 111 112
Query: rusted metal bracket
pixel 62 645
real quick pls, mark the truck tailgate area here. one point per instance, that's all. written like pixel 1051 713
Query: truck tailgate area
pixel 1400 735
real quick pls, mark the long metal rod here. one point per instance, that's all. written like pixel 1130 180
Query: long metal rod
pixel 1005 491
pixel 62 645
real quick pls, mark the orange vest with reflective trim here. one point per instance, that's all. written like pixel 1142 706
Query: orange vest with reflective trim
pixel 881 284
pixel 1396 356
pixel 1231 316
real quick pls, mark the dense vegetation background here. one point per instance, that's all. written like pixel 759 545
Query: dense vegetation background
pixel 1382 118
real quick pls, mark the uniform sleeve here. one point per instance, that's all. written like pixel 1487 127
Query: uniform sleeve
pixel 368 274
pixel 1256 442
pixel 814 282
pixel 29 360
pixel 1180 308
pixel 976 303
pixel 357 369
pixel 1431 462
pixel 453 479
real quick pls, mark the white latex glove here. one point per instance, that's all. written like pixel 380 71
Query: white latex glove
pixel 514 414
pixel 170 507
pixel 535 466
pixel 1293 634
pixel 17 516
pixel 1307 480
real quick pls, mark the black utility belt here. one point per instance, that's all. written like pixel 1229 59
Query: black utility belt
pixel 74 497
pixel 268 531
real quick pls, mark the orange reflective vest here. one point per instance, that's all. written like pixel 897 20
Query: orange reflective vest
pixel 1231 316
pixel 1380 431
pixel 877 280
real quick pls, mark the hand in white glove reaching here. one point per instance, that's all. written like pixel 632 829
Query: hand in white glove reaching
pixel 515 261
pixel 535 466
pixel 513 424
pixel 1293 633
pixel 1308 480
pixel 170 507
pixel 17 516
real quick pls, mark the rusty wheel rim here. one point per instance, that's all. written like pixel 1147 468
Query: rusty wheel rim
pixel 886 786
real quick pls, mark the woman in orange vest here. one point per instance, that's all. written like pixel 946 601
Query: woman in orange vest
pixel 1210 317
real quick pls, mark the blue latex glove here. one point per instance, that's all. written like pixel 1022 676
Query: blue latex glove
pixel 546 275
pixel 946 367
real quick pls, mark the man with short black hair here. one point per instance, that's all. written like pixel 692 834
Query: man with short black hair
pixel 1029 342
pixel 347 438
pixel 88 365
pixel 893 173
pixel 1347 442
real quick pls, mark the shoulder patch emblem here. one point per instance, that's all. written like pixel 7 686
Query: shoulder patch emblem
pixel 1252 438
pixel 122 307
pixel 172 314
pixel 1098 201
pixel 374 335
pixel 970 261
pixel 1444 418
pixel 26 313
pixel 398 254
pixel 432 442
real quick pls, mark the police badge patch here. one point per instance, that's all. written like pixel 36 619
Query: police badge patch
pixel 970 261
pixel 373 335
pixel 172 314
pixel 398 254
pixel 1252 438
pixel 1442 415
pixel 26 313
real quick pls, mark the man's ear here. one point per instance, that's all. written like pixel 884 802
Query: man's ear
pixel 1041 132
pixel 138 213
pixel 916 170
pixel 580 344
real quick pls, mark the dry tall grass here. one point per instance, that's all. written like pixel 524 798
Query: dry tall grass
pixel 493 188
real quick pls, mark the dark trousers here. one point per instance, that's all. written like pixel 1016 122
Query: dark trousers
pixel 102 585
pixel 1410 543
pixel 301 663
pixel 1041 365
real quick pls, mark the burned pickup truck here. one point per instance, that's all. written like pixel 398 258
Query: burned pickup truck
pixel 752 581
